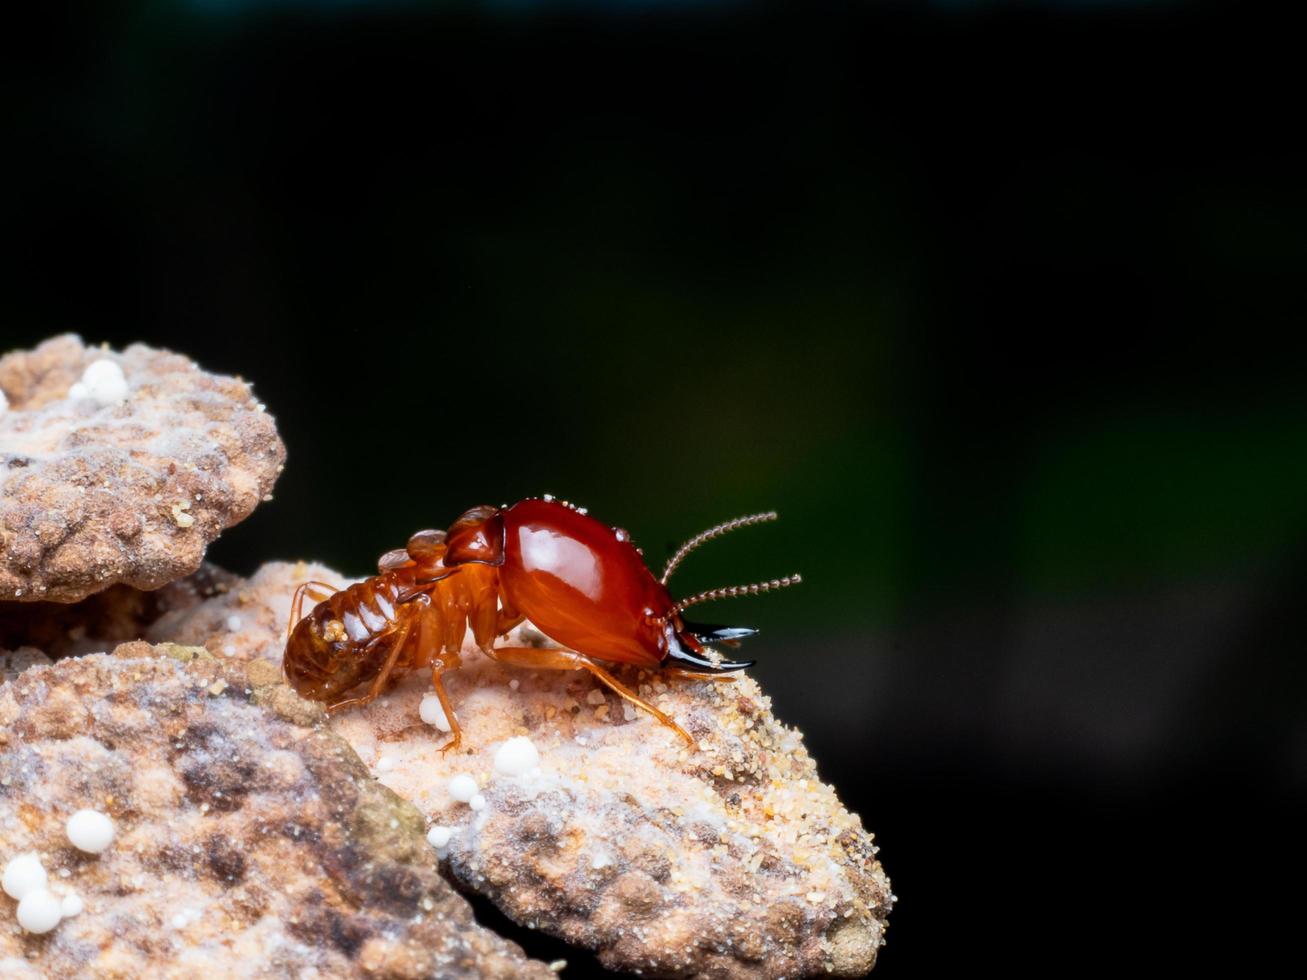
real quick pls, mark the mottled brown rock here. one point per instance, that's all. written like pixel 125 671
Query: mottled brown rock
pixel 92 494
pixel 251 842
pixel 99 621
pixel 734 860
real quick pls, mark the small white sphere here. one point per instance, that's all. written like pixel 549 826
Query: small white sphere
pixel 4 403
pixel 71 905
pixel 516 757
pixel 104 381
pixel 385 764
pixel 24 874
pixel 233 623
pixel 462 787
pixel 433 712
pixel 39 911
pixel 90 831
pixel 477 802
pixel 439 836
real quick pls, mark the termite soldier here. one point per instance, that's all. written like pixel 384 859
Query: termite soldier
pixel 580 582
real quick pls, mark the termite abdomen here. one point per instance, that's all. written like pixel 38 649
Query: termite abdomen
pixel 344 641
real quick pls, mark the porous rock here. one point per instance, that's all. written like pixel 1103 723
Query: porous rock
pixel 731 860
pixel 251 842
pixel 93 493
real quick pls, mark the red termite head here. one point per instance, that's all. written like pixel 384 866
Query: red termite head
pixel 585 584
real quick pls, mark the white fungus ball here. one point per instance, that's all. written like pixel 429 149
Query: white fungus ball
pixel 516 757
pixel 462 787
pixel 477 802
pixel 4 403
pixel 24 874
pixel 90 831
pixel 39 911
pixel 385 764
pixel 433 712
pixel 71 905
pixel 103 381
pixel 439 836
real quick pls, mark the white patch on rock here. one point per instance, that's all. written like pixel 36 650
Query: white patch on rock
pixel 432 712
pixel 39 911
pixel 516 757
pixel 90 831
pixel 463 788
pixel 24 874
pixel 103 382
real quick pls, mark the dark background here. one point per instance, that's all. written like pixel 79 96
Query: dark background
pixel 999 305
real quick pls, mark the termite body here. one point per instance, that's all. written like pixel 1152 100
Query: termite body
pixel 581 583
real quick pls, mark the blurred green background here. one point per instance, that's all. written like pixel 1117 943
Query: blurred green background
pixel 999 305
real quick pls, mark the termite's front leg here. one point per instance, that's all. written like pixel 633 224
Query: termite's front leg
pixel 555 659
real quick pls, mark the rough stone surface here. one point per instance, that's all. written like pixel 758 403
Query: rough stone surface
pixel 251 842
pixel 731 861
pixel 245 619
pixel 93 494
pixel 99 622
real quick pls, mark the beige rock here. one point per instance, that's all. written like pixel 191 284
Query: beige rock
pixel 245 620
pixel 734 860
pixel 97 492
pixel 250 840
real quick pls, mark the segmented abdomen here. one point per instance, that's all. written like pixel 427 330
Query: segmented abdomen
pixel 345 640
pixel 332 649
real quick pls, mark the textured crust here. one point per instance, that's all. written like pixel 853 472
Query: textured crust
pixel 733 861
pixel 92 495
pixel 251 842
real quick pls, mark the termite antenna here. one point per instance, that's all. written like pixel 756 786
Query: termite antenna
pixel 731 591
pixel 708 535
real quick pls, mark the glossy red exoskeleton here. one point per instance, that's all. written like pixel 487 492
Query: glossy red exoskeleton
pixel 580 582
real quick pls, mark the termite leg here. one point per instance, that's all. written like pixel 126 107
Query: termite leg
pixel 430 640
pixel 439 685
pixel 506 618
pixel 537 659
pixel 694 675
pixel 401 635
pixel 321 591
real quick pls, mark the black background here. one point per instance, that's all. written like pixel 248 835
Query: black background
pixel 1000 305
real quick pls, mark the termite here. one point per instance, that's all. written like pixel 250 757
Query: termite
pixel 581 583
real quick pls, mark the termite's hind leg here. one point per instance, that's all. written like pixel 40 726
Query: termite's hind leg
pixel 400 636
pixel 320 590
pixel 547 659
